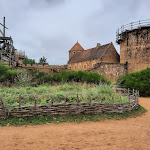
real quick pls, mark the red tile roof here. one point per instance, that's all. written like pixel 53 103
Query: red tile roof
pixel 77 47
pixel 93 53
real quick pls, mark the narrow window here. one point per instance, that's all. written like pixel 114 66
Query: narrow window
pixel 75 67
pixel 127 41
pixel 84 66
pixel 70 68
pixel 137 38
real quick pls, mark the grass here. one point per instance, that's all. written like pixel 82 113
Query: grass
pixel 11 95
pixel 38 120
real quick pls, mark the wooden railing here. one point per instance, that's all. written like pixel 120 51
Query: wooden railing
pixel 131 26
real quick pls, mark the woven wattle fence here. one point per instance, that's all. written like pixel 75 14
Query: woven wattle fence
pixel 77 107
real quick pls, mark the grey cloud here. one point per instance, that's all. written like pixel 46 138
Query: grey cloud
pixel 51 27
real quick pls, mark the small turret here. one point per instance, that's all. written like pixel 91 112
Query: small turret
pixel 75 49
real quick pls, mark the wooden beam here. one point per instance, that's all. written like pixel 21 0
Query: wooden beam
pixel 1 32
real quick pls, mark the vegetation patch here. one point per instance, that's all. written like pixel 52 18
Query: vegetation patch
pixel 37 120
pixel 34 78
pixel 81 76
pixel 69 90
pixel 138 81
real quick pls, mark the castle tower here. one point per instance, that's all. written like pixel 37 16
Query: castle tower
pixel 76 48
pixel 134 40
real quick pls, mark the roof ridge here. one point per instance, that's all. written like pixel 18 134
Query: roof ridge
pixel 96 46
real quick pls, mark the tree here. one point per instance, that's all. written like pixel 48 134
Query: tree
pixel 43 61
pixel 28 61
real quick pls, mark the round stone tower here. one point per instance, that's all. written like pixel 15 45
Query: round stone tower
pixel 134 40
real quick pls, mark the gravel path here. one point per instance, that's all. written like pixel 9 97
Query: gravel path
pixel 132 134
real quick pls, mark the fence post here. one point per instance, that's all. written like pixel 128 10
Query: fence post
pixel 100 99
pixel 34 101
pixel 112 98
pixel 2 104
pixel 19 100
pixel 64 99
pixel 77 99
pixel 51 99
pixel 133 92
pixel 120 100
pixel 137 98
pixel 129 97
pixel 128 91
pixel 90 99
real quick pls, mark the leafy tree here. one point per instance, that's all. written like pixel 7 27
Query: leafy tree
pixel 43 61
pixel 28 61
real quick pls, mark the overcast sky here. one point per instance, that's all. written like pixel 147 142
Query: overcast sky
pixel 51 27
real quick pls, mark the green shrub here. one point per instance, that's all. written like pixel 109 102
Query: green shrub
pixel 7 74
pixel 80 76
pixel 47 78
pixel 42 77
pixel 138 80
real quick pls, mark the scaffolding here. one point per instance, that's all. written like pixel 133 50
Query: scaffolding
pixel 130 27
pixel 7 51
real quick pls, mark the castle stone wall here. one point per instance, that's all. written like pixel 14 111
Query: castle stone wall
pixel 83 65
pixel 111 71
pixel 135 49
pixel 45 68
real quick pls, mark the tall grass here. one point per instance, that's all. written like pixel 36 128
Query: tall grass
pixel 11 95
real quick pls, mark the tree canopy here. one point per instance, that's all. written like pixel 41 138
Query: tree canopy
pixel 43 61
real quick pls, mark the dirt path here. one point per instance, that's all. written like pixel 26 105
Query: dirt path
pixel 132 134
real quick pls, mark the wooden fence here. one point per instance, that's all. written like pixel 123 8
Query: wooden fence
pixel 104 103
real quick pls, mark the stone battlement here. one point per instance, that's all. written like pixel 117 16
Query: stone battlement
pixel 45 68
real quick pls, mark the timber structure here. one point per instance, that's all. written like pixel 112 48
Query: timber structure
pixel 8 54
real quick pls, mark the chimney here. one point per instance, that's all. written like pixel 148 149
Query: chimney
pixel 98 45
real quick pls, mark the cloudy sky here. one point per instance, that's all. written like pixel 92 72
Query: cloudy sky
pixel 51 27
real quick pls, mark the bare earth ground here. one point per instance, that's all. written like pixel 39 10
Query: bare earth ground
pixel 129 134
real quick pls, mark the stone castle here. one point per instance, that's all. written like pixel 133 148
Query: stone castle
pixel 134 40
